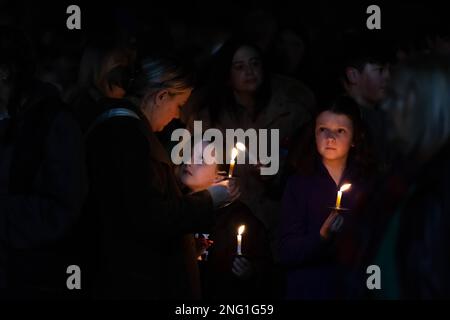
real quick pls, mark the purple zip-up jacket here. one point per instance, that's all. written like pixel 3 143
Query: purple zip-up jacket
pixel 313 268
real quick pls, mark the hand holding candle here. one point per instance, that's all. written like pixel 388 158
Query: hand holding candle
pixel 239 240
pixel 345 187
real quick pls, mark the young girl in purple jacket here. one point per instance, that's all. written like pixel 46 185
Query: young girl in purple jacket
pixel 317 243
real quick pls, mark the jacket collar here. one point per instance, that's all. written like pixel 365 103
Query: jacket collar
pixel 347 175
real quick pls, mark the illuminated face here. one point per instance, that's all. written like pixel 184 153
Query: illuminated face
pixel 167 107
pixel 334 135
pixel 246 70
pixel 199 176
pixel 372 82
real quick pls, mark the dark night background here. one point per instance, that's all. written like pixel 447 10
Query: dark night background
pixel 192 28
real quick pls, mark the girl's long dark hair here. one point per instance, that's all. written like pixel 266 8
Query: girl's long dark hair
pixel 219 96
pixel 303 156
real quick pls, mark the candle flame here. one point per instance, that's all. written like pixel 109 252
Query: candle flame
pixel 240 146
pixel 345 187
pixel 241 229
pixel 234 154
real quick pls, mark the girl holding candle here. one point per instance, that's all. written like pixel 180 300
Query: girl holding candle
pixel 310 247
pixel 228 273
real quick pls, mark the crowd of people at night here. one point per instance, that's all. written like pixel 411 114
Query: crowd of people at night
pixel 87 177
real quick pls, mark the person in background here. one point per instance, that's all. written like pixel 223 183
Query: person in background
pixel 105 75
pixel 407 226
pixel 364 74
pixel 42 177
pixel 242 94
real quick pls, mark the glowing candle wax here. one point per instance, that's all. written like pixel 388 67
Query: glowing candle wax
pixel 234 154
pixel 345 187
pixel 239 239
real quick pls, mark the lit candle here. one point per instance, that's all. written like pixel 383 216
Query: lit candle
pixel 234 154
pixel 239 239
pixel 240 146
pixel 205 253
pixel 345 187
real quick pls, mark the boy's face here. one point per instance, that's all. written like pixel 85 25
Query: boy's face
pixel 198 177
pixel 370 83
pixel 334 135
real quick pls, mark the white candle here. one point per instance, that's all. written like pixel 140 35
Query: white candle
pixel 234 154
pixel 338 200
pixel 345 187
pixel 239 239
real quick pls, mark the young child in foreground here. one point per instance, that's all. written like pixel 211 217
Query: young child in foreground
pixel 224 274
pixel 316 242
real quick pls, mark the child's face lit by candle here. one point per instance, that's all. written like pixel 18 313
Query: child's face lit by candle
pixel 198 177
pixel 334 135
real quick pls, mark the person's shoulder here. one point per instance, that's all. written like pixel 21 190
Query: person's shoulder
pixel 292 92
pixel 129 116
pixel 65 120
pixel 126 124
pixel 44 104
pixel 119 130
pixel 46 97
pixel 289 85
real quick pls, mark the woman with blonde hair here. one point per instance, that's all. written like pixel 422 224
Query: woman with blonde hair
pixel 141 221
